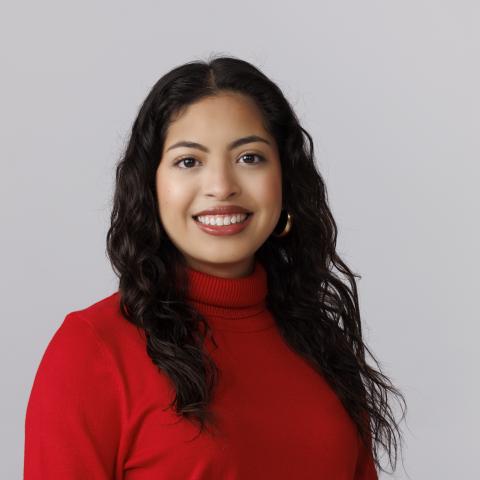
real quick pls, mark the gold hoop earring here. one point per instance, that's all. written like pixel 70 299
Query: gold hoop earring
pixel 287 227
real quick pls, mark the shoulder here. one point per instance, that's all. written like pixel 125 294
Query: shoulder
pixel 106 321
pixel 85 336
pixel 75 360
pixel 100 313
pixel 78 341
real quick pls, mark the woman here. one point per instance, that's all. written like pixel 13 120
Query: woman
pixel 231 350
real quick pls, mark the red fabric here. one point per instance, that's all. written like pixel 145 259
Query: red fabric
pixel 97 405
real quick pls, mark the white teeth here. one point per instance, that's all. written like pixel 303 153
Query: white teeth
pixel 222 219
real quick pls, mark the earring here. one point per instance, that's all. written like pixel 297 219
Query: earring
pixel 286 228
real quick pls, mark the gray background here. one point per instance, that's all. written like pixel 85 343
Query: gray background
pixel 388 89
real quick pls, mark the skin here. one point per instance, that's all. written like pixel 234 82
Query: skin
pixel 219 177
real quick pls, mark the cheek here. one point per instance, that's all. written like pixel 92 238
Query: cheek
pixel 268 189
pixel 172 197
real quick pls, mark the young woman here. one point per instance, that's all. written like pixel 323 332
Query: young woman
pixel 232 349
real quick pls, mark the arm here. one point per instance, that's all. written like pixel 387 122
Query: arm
pixel 73 417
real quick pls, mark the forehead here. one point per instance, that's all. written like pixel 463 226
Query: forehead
pixel 222 115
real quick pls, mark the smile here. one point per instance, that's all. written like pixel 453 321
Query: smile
pixel 221 220
pixel 223 224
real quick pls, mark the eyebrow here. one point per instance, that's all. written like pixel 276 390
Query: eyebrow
pixel 231 146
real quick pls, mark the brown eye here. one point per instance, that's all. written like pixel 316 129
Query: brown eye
pixel 251 155
pixel 187 160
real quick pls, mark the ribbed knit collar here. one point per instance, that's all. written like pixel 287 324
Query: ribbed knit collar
pixel 231 303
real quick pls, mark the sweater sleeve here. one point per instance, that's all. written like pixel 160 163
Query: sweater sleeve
pixel 73 417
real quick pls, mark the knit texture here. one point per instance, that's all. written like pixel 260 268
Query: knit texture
pixel 98 407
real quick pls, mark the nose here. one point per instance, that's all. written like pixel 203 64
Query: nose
pixel 220 180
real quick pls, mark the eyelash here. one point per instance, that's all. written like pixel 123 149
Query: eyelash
pixel 261 158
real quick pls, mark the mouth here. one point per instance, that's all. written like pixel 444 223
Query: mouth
pixel 224 230
pixel 195 217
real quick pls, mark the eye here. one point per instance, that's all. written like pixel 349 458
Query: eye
pixel 183 160
pixel 250 155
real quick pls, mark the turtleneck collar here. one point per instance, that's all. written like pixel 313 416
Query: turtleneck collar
pixel 231 303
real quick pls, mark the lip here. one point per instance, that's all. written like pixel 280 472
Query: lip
pixel 223 210
pixel 231 229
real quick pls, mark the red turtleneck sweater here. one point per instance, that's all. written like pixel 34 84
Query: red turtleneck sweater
pixel 96 408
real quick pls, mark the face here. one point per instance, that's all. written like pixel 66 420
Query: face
pixel 215 173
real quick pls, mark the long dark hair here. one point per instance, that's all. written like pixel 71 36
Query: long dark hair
pixel 312 292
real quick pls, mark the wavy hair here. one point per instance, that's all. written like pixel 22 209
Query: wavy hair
pixel 312 292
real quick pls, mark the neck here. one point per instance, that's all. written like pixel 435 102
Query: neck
pixel 232 270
